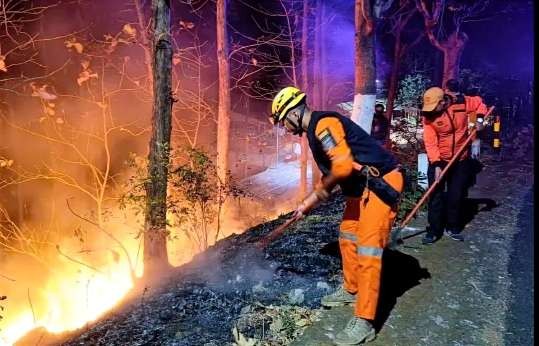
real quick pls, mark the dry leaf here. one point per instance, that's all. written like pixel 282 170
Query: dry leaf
pixel 42 119
pixel 59 121
pixel 112 46
pixel 6 163
pixel 42 92
pixel 302 322
pixel 46 95
pixel 85 64
pixel 242 340
pixel 129 30
pixel 187 25
pixel 254 61
pixel 85 76
pixel 78 47
pixel 74 44
pixel 49 111
pixel 3 63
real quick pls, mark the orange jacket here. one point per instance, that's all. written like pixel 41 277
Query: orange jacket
pixel 446 134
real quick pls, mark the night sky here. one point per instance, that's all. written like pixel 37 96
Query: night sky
pixel 505 43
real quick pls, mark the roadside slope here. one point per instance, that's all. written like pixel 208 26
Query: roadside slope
pixel 449 293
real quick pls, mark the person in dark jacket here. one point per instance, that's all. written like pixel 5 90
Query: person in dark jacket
pixel 380 125
pixel 370 179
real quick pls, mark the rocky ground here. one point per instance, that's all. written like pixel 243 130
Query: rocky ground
pixel 477 292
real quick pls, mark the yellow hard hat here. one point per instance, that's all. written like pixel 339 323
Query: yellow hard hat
pixel 284 101
pixel 431 98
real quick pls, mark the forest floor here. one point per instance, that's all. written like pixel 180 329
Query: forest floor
pixel 476 292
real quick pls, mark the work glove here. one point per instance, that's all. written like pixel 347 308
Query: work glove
pixel 309 203
pixel 480 122
pixel 476 149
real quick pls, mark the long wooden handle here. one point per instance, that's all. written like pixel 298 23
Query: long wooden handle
pixel 276 233
pixel 436 182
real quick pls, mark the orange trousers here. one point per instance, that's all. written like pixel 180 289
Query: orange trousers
pixel 364 233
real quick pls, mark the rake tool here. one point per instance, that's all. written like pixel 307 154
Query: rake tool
pixel 395 233
pixel 276 233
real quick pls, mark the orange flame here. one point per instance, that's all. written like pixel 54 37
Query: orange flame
pixel 75 295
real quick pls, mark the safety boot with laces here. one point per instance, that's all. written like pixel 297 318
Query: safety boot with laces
pixel 338 298
pixel 356 332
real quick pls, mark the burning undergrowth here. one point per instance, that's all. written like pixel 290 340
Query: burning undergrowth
pixel 234 292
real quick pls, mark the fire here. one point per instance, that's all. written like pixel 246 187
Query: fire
pixel 73 295
pixel 73 286
pixel 68 300
pixel 68 304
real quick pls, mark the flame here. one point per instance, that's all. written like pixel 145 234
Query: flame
pixel 70 304
pixel 70 295
pixel 73 295
pixel 68 300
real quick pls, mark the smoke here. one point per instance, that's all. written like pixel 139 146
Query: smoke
pixel 383 65
pixel 69 253
pixel 339 44
pixel 339 40
pixel 239 269
pixel 71 250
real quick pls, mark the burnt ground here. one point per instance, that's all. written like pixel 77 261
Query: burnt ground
pixel 477 292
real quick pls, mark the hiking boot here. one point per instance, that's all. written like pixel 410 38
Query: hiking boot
pixel 454 235
pixel 429 239
pixel 356 331
pixel 338 298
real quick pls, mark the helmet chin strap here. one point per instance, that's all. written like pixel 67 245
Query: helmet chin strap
pixel 298 129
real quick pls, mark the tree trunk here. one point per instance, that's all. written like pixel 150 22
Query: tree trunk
pixel 305 80
pixel 365 68
pixel 155 235
pixel 453 48
pixel 223 112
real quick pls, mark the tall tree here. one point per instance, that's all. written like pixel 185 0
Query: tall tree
pixel 365 66
pixel 155 235
pixel 453 44
pixel 223 111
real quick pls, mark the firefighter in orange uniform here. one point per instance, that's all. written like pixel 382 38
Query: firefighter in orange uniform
pixel 371 180
pixel 445 129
